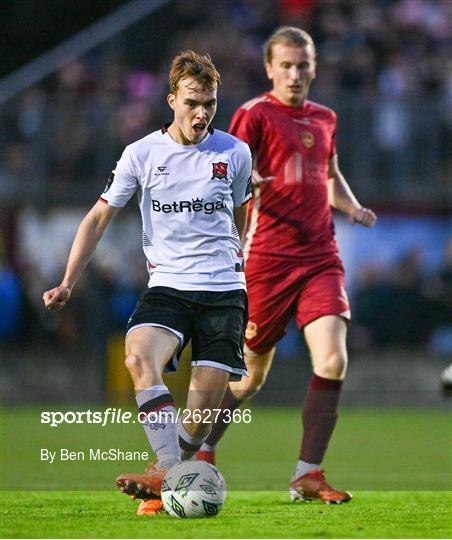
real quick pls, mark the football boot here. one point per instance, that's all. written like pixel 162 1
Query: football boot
pixel 204 455
pixel 313 485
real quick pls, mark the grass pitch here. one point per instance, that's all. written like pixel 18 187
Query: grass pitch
pixel 245 515
pixel 397 464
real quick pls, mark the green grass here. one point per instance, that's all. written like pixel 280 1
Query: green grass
pixel 245 515
pixel 397 463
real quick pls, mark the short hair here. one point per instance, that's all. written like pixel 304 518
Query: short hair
pixel 188 64
pixel 287 35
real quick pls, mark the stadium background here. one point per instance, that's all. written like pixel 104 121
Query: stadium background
pixel 64 119
pixel 382 65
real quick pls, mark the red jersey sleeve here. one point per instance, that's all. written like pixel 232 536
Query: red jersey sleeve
pixel 245 126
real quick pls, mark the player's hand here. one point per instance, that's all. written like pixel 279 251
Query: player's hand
pixel 257 179
pixel 363 216
pixel 56 298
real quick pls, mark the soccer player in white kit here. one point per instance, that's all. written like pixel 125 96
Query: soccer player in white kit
pixel 193 183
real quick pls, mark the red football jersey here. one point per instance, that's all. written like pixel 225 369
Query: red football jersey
pixel 289 217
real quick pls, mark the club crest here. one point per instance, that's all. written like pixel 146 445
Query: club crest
pixel 307 138
pixel 220 170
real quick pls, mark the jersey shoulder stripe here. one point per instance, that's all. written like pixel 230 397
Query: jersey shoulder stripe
pixel 253 102
pixel 321 108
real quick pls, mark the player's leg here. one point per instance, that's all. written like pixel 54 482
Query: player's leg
pixel 324 304
pixel 326 340
pixel 157 329
pixel 207 388
pixel 271 296
pixel 217 342
pixel 148 350
pixel 258 367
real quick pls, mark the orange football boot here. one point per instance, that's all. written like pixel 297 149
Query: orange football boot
pixel 142 486
pixel 313 485
pixel 204 455
pixel 150 507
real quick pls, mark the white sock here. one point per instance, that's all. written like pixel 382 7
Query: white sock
pixel 188 445
pixel 303 467
pixel 160 425
pixel 209 447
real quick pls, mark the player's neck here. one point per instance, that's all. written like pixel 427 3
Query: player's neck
pixel 289 103
pixel 176 133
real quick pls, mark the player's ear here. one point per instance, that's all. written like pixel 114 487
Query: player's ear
pixel 268 69
pixel 313 54
pixel 171 99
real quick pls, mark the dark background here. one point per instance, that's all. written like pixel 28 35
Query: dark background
pixel 382 65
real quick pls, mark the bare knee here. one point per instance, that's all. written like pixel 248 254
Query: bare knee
pixel 256 382
pixel 332 366
pixel 249 386
pixel 142 371
pixel 133 364
pixel 258 366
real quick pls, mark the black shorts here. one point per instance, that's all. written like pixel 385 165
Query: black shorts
pixel 214 321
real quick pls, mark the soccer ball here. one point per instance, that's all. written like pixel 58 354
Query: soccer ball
pixel 193 489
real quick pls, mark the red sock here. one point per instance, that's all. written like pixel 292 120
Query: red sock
pixel 319 417
pixel 229 404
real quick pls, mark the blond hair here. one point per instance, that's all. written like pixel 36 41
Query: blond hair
pixel 287 35
pixel 188 64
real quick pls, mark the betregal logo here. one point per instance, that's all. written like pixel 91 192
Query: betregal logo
pixel 195 205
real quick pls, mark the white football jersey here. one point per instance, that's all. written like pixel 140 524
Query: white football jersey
pixel 187 195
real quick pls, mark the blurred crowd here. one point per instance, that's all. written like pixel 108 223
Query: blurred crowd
pixel 403 303
pixel 403 306
pixel 382 64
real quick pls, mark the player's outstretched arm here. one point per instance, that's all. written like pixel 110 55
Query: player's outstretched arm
pixel 342 198
pixel 88 235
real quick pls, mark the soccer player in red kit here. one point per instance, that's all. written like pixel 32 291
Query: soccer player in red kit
pixel 293 267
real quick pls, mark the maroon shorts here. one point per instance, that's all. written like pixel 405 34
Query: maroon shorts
pixel 278 292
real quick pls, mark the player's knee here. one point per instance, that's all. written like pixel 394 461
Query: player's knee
pixel 140 368
pixel 333 366
pixel 254 383
pixel 133 364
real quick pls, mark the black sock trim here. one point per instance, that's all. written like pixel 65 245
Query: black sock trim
pixel 165 400
pixel 187 447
